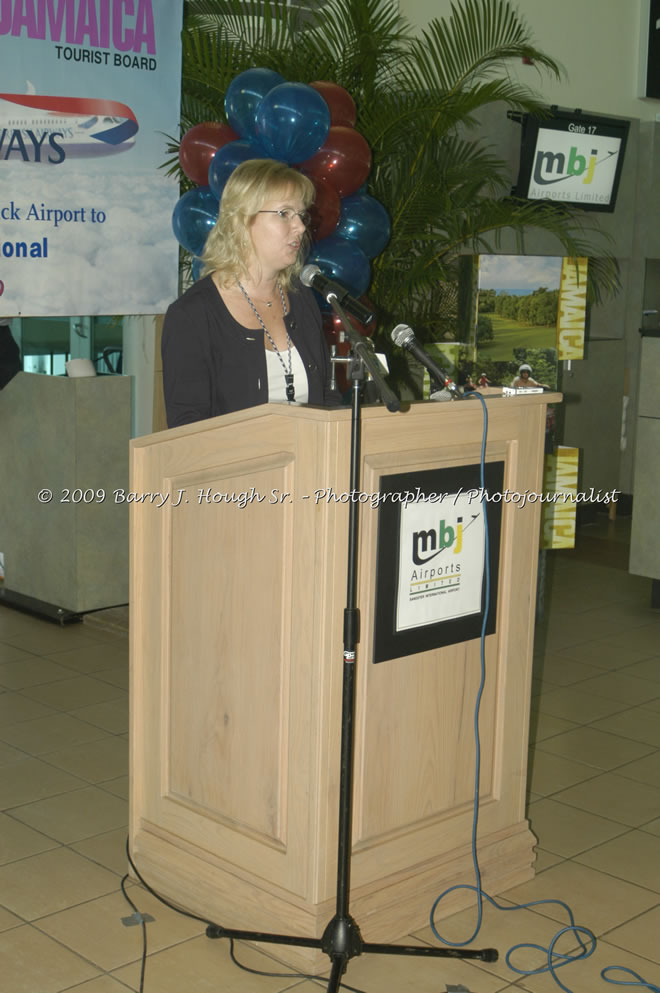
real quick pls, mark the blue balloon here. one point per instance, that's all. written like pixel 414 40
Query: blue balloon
pixel 243 96
pixel 293 121
pixel 344 261
pixel 196 269
pixel 193 218
pixel 225 161
pixel 365 221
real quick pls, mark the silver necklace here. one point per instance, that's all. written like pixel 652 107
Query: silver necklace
pixel 288 376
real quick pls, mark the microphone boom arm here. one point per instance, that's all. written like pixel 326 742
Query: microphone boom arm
pixel 362 350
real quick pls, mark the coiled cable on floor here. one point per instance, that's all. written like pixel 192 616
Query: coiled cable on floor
pixel 586 938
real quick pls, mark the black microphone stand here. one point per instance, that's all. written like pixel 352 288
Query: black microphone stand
pixel 341 939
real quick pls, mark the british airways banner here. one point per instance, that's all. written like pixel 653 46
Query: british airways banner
pixel 90 89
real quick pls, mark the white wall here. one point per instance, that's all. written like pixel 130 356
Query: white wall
pixel 596 41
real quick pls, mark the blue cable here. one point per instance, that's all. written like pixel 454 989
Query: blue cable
pixel 555 959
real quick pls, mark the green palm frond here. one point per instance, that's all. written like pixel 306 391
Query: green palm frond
pixel 476 42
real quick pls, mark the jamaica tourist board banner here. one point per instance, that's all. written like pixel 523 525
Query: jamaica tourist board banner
pixel 89 90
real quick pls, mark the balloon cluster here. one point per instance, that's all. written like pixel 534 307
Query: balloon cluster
pixel 311 128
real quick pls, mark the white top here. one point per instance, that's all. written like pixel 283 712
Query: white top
pixel 276 381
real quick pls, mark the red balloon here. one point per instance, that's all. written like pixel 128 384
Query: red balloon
pixel 325 211
pixel 333 327
pixel 340 103
pixel 344 160
pixel 199 145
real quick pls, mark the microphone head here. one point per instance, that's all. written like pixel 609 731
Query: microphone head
pixel 402 335
pixel 307 274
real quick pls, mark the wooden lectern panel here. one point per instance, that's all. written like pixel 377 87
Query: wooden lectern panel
pixel 229 648
pixel 236 647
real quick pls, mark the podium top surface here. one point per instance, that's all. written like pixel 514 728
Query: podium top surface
pixel 428 408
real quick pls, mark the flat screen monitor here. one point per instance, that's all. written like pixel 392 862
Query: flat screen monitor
pixel 572 158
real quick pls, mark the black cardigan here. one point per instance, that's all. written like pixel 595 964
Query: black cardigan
pixel 213 365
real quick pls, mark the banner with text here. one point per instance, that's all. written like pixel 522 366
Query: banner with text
pixel 572 309
pixel 90 90
pixel 559 512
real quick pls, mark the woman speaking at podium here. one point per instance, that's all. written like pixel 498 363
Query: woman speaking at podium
pixel 248 332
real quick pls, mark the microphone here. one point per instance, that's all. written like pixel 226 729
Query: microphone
pixel 312 276
pixel 404 337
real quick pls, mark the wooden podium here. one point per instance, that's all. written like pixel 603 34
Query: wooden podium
pixel 238 586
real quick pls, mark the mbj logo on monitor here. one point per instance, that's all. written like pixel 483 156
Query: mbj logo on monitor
pixel 549 163
pixel 572 166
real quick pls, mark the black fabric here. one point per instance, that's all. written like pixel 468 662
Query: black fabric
pixel 10 356
pixel 212 365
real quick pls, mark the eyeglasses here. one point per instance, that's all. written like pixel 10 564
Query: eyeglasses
pixel 288 214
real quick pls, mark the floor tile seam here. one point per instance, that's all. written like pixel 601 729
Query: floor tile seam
pixel 631 625
pixel 42 756
pixel 21 921
pixel 652 834
pixel 622 704
pixel 121 694
pixel 563 924
pixel 631 665
pixel 604 696
pixel 618 771
pixel 10 644
pixel 76 986
pixel 88 642
pixel 618 733
pixel 68 845
pixel 562 789
pixel 608 872
pixel 625 828
pixel 538 747
pixel 60 746
pixel 40 759
pixel 17 748
pixel 599 941
pixel 556 799
pixel 104 784
pixel 614 768
pixel 116 889
pixel 71 951
pixel 555 734
pixel 304 977
pixel 75 674
pixel 108 682
pixel 50 796
pixel 615 668
pixel 645 974
pixel 75 712
pixel 28 699
pixel 626 948
pixel 58 941
pixel 545 682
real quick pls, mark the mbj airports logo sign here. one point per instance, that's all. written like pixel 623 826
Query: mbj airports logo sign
pixel 574 166
pixel 441 560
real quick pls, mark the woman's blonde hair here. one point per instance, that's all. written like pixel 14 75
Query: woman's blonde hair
pixel 228 248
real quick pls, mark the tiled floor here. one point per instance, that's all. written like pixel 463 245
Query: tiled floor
pixel 594 805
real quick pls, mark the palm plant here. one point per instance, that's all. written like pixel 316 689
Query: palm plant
pixel 418 100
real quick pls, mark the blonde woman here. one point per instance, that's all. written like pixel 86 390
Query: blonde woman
pixel 248 332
